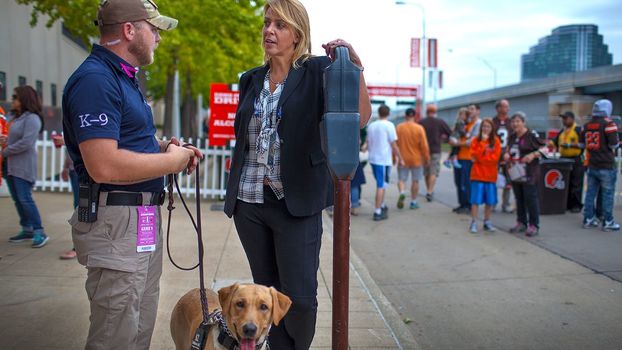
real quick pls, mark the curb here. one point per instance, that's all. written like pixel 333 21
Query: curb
pixel 390 317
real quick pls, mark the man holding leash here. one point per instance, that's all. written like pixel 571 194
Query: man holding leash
pixel 110 134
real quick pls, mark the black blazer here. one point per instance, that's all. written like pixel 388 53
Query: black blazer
pixel 306 179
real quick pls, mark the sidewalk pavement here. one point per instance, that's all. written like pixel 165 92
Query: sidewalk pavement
pixel 561 234
pixel 45 306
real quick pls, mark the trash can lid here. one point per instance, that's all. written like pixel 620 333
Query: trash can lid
pixel 556 161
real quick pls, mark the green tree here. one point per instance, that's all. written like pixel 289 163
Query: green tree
pixel 214 42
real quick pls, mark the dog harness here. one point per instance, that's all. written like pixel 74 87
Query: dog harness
pixel 226 338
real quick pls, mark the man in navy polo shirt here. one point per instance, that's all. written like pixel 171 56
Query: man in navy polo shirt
pixel 110 134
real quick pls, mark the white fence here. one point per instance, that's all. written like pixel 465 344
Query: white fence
pixel 212 171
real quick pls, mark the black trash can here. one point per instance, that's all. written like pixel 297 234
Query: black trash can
pixel 553 185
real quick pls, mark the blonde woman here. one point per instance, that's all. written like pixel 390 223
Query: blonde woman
pixel 279 182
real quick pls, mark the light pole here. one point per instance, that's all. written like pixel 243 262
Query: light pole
pixel 494 71
pixel 420 7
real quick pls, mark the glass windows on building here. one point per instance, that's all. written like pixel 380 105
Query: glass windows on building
pixel 570 48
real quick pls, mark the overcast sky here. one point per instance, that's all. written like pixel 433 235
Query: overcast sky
pixel 467 32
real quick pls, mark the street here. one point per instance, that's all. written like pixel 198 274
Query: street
pixel 492 290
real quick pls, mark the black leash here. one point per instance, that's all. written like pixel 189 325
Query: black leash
pixel 201 334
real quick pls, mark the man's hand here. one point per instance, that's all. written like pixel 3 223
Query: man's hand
pixel 182 157
pixel 65 175
pixel 194 160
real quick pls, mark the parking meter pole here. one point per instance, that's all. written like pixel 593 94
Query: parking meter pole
pixel 341 258
pixel 340 143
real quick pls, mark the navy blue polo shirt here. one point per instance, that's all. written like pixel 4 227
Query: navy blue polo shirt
pixel 102 100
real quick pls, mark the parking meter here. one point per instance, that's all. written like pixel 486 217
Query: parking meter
pixel 340 143
pixel 340 124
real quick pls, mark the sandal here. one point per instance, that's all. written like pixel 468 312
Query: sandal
pixel 68 255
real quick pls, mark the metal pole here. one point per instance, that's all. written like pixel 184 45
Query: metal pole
pixel 423 42
pixel 341 259
pixel 494 71
pixel 425 58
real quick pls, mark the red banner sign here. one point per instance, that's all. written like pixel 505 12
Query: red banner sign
pixel 223 103
pixel 415 45
pixel 432 53
pixel 398 91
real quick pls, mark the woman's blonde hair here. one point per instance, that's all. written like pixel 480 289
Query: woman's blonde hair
pixel 295 15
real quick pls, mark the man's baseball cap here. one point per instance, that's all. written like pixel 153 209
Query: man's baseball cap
pixel 568 114
pixel 602 108
pixel 122 11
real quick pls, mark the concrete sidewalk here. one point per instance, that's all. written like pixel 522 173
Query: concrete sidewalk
pixel 44 303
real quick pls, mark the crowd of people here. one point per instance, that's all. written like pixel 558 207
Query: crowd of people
pixel 492 155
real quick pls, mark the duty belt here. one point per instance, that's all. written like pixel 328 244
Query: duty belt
pixel 132 198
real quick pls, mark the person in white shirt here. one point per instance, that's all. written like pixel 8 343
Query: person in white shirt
pixel 383 152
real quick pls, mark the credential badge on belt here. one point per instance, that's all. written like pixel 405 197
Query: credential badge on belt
pixel 146 236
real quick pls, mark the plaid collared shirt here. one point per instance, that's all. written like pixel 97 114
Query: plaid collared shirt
pixel 263 139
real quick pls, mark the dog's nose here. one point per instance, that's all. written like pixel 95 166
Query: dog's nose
pixel 249 330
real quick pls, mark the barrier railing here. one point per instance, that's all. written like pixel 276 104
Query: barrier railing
pixel 213 169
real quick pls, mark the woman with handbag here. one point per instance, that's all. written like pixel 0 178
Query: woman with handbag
pixel 522 156
pixel 280 182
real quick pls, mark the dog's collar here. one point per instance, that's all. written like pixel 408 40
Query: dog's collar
pixel 226 338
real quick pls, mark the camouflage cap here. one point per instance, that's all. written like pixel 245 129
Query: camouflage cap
pixel 122 11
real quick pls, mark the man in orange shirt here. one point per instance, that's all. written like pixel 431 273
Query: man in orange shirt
pixel 462 175
pixel 413 145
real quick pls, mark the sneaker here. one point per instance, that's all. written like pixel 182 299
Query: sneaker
pixel 473 227
pixel 354 211
pixel 457 164
pixel 414 205
pixel 519 227
pixel 532 230
pixel 429 197
pixel 575 210
pixel 400 201
pixel 462 210
pixel 488 227
pixel 384 212
pixel 377 217
pixel 507 210
pixel 611 226
pixel 21 237
pixel 591 223
pixel 456 209
pixel 330 211
pixel 447 164
pixel 39 240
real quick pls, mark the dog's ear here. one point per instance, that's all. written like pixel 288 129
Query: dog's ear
pixel 225 295
pixel 280 305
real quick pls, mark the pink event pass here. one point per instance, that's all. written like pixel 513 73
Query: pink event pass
pixel 147 228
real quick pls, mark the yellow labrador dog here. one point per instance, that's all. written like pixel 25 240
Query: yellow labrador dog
pixel 248 311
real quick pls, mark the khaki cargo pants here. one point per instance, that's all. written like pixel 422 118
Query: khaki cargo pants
pixel 122 285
